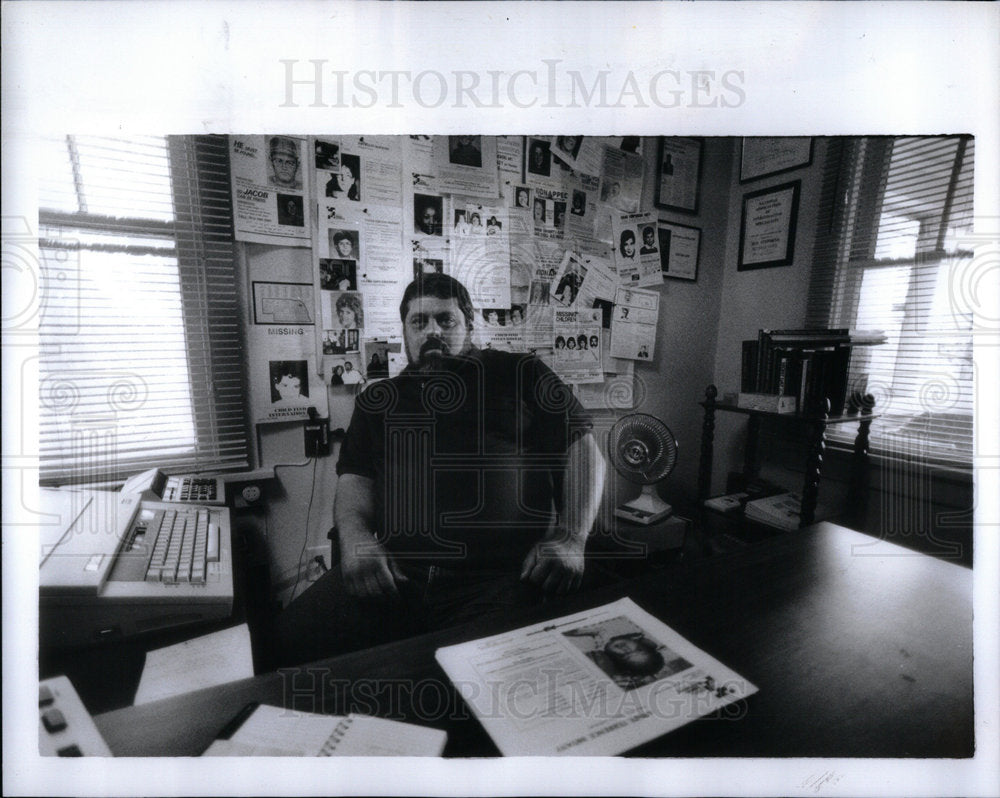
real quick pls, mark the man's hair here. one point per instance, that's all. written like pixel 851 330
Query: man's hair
pixel 439 286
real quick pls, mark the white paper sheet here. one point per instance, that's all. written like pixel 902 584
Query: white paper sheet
pixel 205 661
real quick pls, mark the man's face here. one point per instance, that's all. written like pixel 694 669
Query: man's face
pixel 647 238
pixel 285 166
pixel 345 247
pixel 348 366
pixel 434 327
pixel 629 653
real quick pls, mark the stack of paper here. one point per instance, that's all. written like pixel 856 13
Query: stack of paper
pixel 783 511
pixel 730 504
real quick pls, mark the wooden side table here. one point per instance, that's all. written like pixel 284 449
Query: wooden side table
pixel 860 412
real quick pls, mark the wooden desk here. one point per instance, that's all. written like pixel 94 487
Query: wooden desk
pixel 856 654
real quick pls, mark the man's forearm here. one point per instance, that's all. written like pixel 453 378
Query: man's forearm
pixel 354 511
pixel 583 486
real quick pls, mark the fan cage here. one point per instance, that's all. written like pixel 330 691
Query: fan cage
pixel 639 437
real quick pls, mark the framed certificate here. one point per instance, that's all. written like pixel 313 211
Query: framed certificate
pixel 767 227
pixel 679 245
pixel 678 174
pixel 770 156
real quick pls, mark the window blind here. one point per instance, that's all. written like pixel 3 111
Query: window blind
pixel 891 256
pixel 140 359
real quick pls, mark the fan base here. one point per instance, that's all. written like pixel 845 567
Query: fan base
pixel 637 515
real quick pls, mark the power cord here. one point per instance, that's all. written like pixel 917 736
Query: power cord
pixel 305 537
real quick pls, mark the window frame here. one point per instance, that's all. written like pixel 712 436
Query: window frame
pixel 851 212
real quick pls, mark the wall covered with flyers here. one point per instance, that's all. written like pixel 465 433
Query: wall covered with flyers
pixel 549 233
pixel 552 236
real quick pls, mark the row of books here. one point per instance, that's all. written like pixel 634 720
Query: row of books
pixel 810 365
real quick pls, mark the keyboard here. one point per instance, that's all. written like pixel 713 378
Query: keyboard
pixel 65 728
pixel 182 545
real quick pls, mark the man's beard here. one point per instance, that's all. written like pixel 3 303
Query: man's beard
pixel 435 354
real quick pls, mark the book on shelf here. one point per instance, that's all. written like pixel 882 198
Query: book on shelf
pixel 810 364
pixel 597 682
pixel 263 730
pixel 840 336
pixel 769 402
pixel 783 510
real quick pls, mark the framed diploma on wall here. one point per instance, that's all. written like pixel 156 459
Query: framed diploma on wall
pixel 764 156
pixel 767 227
pixel 678 174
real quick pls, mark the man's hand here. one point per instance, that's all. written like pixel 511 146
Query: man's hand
pixel 555 564
pixel 366 568
pixel 368 571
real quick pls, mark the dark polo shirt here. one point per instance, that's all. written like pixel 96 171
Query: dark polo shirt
pixel 467 461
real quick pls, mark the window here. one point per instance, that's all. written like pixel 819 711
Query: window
pixel 139 337
pixel 894 259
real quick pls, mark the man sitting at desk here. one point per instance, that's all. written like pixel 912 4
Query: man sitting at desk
pixel 467 484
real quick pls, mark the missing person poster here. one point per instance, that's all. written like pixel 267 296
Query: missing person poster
pixel 480 250
pixel 467 165
pixel 621 180
pixel 370 169
pixel 501 328
pixel 599 682
pixel 282 340
pixel 633 325
pixel 637 252
pixel 268 177
pixel 576 345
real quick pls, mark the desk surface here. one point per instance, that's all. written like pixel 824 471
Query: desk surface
pixel 859 648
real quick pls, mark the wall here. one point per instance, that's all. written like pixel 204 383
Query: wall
pixel 297 510
pixel 689 320
pixel 750 300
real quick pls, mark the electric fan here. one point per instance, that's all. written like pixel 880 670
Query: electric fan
pixel 643 450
